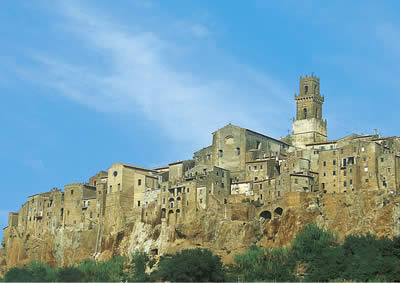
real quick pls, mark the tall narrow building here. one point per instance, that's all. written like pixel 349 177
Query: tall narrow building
pixel 308 127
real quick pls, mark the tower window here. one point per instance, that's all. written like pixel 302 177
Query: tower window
pixel 221 153
pixel 305 113
pixel 238 151
pixel 306 89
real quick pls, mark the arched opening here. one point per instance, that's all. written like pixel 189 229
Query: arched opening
pixel 266 215
pixel 178 211
pixel 178 198
pixel 306 89
pixel 305 113
pixel 278 210
pixel 163 213
pixel 170 212
pixel 171 199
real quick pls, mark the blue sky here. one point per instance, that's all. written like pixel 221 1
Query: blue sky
pixel 85 84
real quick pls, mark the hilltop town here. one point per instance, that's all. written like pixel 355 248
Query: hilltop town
pixel 245 188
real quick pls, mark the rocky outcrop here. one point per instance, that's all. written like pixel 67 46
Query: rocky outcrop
pixel 226 231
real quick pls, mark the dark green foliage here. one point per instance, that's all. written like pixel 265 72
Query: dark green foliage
pixel 259 264
pixel 104 271
pixel 139 263
pixel 70 274
pixel 41 272
pixel 17 274
pixel 191 265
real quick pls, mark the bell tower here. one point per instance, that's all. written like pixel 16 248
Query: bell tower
pixel 308 127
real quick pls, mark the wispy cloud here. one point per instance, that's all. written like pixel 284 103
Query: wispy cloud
pixel 144 75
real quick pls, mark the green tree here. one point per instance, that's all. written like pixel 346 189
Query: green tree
pixel 41 272
pixel 70 274
pixel 259 264
pixel 17 274
pixel 139 263
pixel 190 265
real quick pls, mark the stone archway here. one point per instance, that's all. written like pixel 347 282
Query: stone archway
pixel 279 211
pixel 266 215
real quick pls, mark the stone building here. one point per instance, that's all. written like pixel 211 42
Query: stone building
pixel 239 166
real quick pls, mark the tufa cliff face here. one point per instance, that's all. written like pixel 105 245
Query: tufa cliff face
pixel 225 230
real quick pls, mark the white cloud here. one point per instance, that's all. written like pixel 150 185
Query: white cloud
pixel 142 77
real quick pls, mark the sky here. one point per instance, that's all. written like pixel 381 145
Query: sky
pixel 85 84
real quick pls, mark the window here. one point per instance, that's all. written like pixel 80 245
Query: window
pixel 334 173
pixel 255 167
pixel 163 200
pixel 258 145
pixel 344 173
pixel 110 188
pixel 208 156
pixel 351 170
pixel 255 178
pixel 324 163
pixel 261 187
pixel 72 192
pixel 139 182
pixel 221 153
pixel 222 185
pixel 382 159
pixel 344 184
pixel 279 193
pixel 138 203
pixel 306 89
pixel 201 200
pixel 305 113
pixel 334 162
pixel 238 150
pixel 365 169
pixel 249 168
pixel 341 151
pixel 115 173
pixel 351 181
pixel 119 187
pixel 261 167
pixel 223 174
pixel 355 149
pixel 363 149
pixel 364 158
pixel 366 180
pixel 164 188
pixel 91 214
pixel 324 174
pixel 187 189
pixel 295 181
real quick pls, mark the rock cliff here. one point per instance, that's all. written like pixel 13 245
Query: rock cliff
pixel 227 230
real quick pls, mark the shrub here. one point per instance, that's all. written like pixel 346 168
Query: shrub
pixel 70 274
pixel 17 274
pixel 190 265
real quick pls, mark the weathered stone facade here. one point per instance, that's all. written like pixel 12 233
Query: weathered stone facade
pixel 246 188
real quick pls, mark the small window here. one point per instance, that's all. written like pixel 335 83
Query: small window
pixel 323 185
pixel 91 214
pixel 364 158
pixel 382 159
pixel 365 169
pixel 115 173
pixel 341 151
pixel 363 149
pixel 324 174
pixel 351 181
pixel 260 186
pixel 258 145
pixel 238 150
pixel 201 200
pixel 366 180
pixel 255 167
pixel 163 200
pixel 72 192
pixel 223 174
pixel 138 203
pixel 110 188
pixel 306 89
pixel 351 170
pixel 295 181
pixel 222 185
pixel 119 187
pixel 324 163
pixel 187 189
pixel 355 149
pixel 221 153
pixel 334 162
pixel 344 173
pixel 164 188
pixel 344 184
pixel 334 173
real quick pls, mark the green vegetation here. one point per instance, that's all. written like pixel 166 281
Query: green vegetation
pixel 314 255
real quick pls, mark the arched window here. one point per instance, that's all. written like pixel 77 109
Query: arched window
pixel 305 113
pixel 306 89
